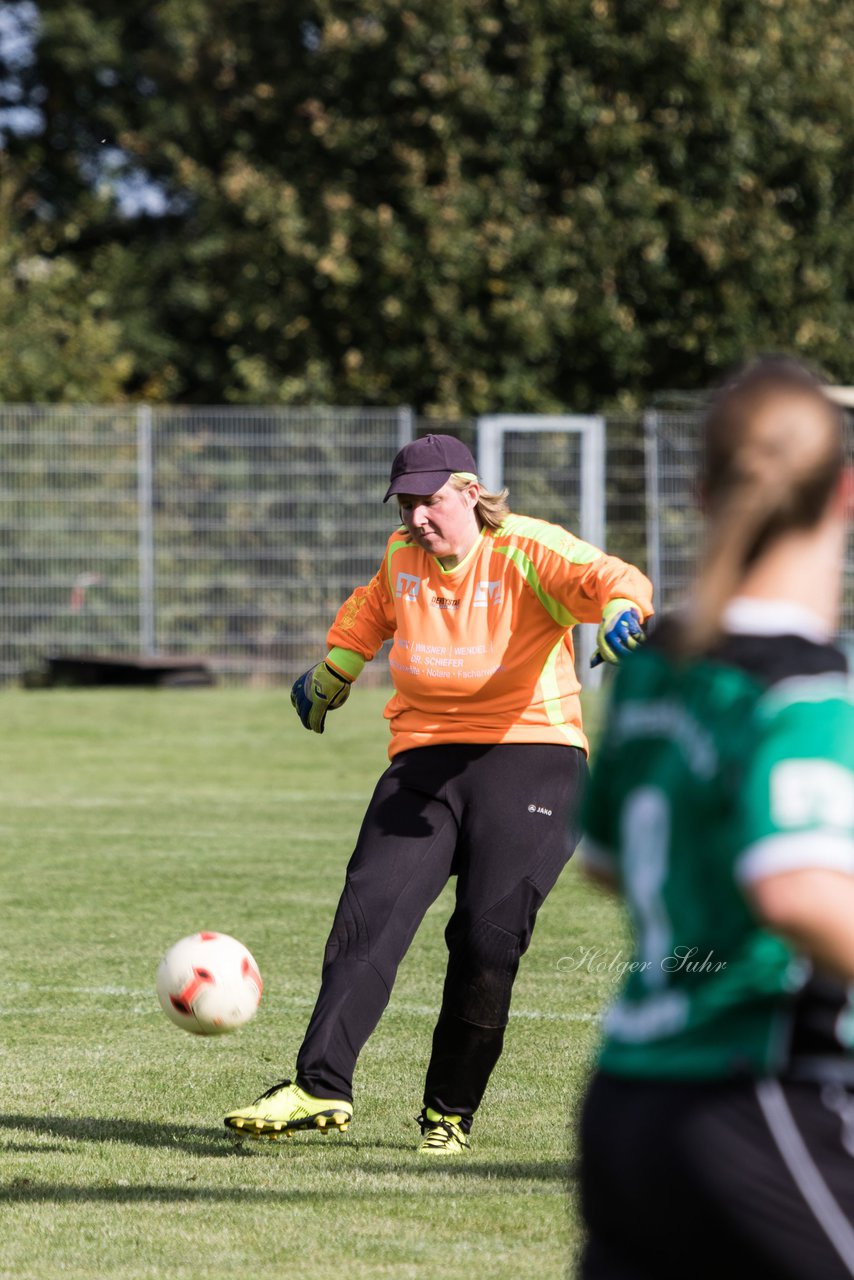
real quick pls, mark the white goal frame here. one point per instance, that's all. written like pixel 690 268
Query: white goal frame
pixel 590 428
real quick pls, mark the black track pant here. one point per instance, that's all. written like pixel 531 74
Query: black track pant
pixel 749 1179
pixel 502 818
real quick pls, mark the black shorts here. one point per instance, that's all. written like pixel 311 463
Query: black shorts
pixel 750 1179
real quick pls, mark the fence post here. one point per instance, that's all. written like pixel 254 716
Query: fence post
pixel 592 529
pixel 490 452
pixel 145 516
pixel 653 502
pixel 405 425
pixel 592 526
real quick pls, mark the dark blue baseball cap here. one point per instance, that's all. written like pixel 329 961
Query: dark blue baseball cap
pixel 425 465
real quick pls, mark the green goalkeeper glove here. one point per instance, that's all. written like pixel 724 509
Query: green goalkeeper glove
pixel 318 690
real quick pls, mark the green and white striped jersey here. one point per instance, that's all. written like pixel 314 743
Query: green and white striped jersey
pixel 707 779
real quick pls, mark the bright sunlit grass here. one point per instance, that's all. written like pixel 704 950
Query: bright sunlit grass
pixel 129 819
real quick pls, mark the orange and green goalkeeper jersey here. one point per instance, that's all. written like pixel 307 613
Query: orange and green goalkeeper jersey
pixel 483 652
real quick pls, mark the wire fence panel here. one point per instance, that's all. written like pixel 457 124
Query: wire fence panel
pixel 265 521
pixel 235 534
pixel 625 491
pixel 673 529
pixel 69 523
pixel 229 533
pixel 541 474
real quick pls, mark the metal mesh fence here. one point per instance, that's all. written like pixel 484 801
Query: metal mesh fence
pixel 69 523
pixel 265 520
pixel 231 533
pixel 224 532
pixel 625 492
pixel 673 530
pixel 541 473
pixel 242 530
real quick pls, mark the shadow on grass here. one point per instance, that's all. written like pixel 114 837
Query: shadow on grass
pixel 28 1191
pixel 210 1142
pixel 23 1191
pixel 139 1133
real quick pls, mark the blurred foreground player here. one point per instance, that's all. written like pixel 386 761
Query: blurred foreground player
pixel 488 758
pixel 718 1132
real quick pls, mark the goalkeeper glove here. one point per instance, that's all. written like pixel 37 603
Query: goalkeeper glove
pixel 318 690
pixel 619 632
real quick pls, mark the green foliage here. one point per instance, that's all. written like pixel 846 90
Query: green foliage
pixel 131 819
pixel 467 206
pixel 61 339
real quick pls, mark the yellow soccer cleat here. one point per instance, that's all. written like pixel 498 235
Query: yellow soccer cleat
pixel 442 1135
pixel 285 1108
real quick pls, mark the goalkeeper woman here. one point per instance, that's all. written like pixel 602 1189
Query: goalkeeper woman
pixel 488 757
pixel 718 1132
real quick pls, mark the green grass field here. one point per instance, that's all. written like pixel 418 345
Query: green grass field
pixel 130 819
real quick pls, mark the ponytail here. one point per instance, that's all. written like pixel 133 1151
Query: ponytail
pixel 763 477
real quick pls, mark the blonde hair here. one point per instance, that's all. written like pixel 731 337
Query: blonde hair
pixel 762 478
pixel 491 508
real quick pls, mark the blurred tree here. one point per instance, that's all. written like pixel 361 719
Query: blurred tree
pixel 60 340
pixel 465 205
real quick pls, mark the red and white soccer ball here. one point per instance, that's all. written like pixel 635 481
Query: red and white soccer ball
pixel 209 984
